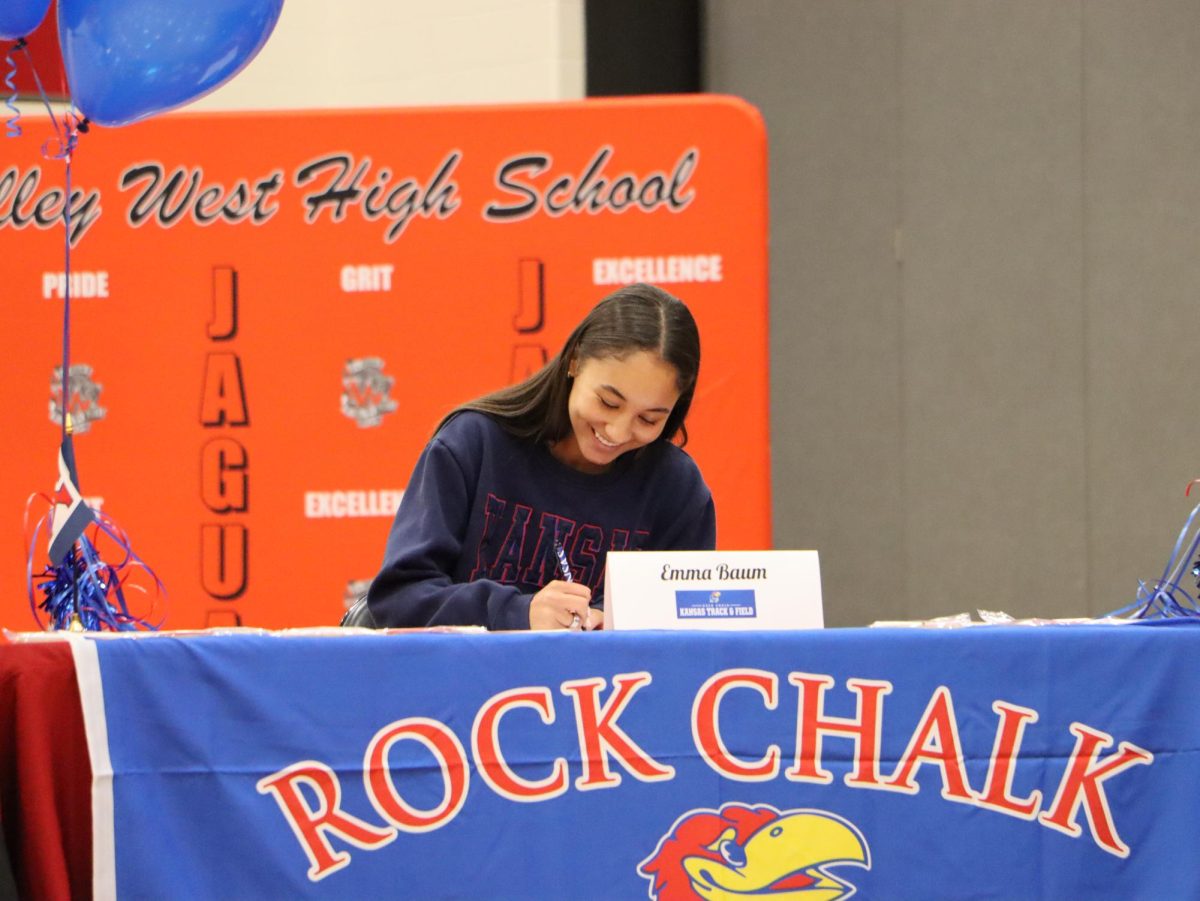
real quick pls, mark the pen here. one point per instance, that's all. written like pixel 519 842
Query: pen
pixel 565 569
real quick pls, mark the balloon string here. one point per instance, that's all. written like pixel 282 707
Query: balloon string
pixel 72 123
pixel 62 146
pixel 65 381
pixel 13 124
pixel 65 140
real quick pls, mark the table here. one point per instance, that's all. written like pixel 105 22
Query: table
pixel 991 762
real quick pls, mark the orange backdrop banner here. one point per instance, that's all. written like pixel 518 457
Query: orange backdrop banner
pixel 271 312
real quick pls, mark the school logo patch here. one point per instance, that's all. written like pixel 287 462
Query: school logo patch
pixel 82 397
pixel 365 392
pixel 757 852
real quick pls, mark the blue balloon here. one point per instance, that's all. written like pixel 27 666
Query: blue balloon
pixel 19 17
pixel 129 59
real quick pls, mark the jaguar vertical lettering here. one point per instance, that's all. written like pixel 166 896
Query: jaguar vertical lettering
pixel 224 463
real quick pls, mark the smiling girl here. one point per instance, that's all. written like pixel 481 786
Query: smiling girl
pixel 573 462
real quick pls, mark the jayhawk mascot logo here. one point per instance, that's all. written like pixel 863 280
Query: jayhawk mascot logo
pixel 758 852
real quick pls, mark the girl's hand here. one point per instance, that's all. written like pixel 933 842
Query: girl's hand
pixel 557 605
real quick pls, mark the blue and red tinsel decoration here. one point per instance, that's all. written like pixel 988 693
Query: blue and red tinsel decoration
pixel 79 590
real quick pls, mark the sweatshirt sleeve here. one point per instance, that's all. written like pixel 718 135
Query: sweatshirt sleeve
pixel 692 524
pixel 415 587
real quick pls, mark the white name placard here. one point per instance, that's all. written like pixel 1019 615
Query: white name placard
pixel 713 590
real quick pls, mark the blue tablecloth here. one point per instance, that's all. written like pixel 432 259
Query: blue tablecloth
pixel 1052 762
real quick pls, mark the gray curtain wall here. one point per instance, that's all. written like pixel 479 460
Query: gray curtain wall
pixel 985 247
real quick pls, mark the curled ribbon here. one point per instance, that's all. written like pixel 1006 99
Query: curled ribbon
pixel 84 592
pixel 1167 597
pixel 13 123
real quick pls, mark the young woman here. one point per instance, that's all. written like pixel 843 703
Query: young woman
pixel 524 484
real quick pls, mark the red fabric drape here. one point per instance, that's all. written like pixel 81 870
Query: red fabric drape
pixel 45 773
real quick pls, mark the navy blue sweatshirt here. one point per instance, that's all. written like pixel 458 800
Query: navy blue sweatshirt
pixel 473 539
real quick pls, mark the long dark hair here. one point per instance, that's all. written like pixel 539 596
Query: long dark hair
pixel 638 317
